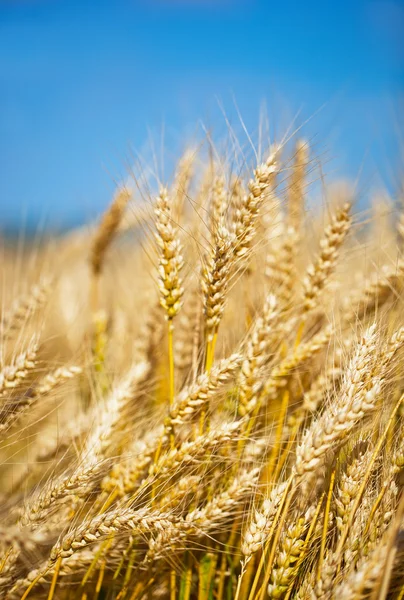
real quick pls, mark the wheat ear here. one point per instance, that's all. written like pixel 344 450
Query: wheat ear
pixel 319 272
pixel 25 307
pixel 258 347
pixel 107 229
pixel 195 397
pixel 217 270
pixel 247 211
pixel 13 376
pixel 48 383
pixel 356 398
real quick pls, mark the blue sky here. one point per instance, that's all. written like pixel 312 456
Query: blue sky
pixel 83 85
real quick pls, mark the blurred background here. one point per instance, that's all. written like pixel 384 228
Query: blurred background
pixel 85 86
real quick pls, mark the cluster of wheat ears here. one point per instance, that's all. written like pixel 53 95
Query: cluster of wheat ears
pixel 202 395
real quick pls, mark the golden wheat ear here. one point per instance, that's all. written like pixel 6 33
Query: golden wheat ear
pixel 320 271
pixel 246 213
pixel 107 230
pixel 170 264
pixel 38 391
pixel 25 307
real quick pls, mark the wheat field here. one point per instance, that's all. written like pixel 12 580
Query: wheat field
pixel 202 394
